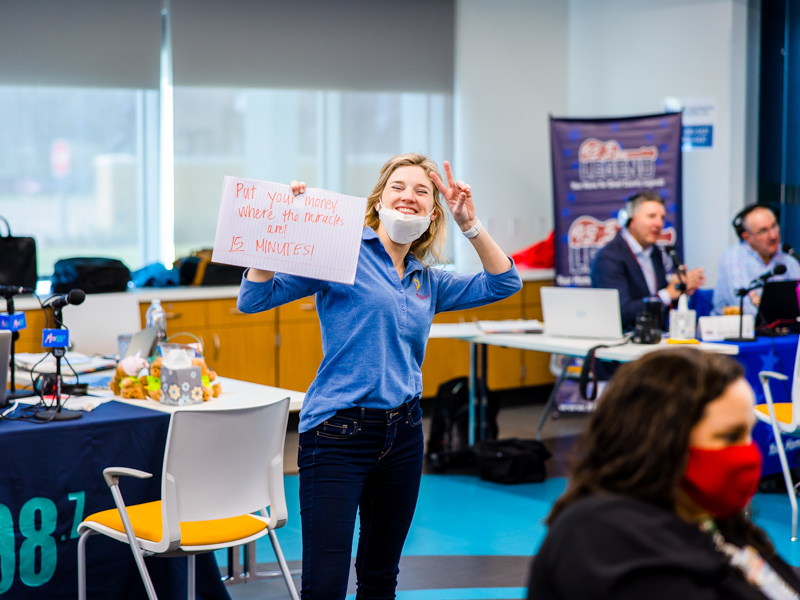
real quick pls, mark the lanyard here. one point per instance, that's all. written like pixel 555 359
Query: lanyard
pixel 755 569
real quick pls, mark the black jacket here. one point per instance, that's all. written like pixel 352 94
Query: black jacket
pixel 612 547
pixel 615 266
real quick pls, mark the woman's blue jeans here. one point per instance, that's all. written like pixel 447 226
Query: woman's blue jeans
pixel 360 459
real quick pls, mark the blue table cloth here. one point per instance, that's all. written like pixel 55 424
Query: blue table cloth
pixel 771 354
pixel 52 477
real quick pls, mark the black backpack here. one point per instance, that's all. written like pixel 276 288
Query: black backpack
pixel 511 460
pixel 93 275
pixel 448 442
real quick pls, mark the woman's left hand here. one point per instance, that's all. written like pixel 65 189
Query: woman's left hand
pixel 458 196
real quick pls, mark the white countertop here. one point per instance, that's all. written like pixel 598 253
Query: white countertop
pixel 167 294
pixel 537 274
pixel 171 294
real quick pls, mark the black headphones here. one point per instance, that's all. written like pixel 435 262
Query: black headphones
pixel 738 220
pixel 627 211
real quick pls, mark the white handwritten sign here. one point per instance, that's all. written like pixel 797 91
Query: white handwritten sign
pixel 263 225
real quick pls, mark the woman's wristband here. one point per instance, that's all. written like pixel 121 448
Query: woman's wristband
pixel 473 231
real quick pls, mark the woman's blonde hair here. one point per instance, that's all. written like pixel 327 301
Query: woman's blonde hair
pixel 429 247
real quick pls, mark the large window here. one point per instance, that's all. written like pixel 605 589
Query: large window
pixel 78 171
pixel 68 171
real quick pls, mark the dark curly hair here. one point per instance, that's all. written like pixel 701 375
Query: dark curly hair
pixel 637 440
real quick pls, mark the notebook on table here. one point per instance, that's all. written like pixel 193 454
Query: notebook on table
pixel 581 313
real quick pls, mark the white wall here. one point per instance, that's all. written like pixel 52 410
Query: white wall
pixel 518 61
pixel 626 56
pixel 510 72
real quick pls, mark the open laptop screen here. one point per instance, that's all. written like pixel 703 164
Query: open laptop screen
pixel 581 312
pixel 779 306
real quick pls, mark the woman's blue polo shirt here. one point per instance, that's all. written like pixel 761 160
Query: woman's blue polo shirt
pixel 374 332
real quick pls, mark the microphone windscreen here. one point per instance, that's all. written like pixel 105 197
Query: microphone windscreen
pixel 779 269
pixel 78 296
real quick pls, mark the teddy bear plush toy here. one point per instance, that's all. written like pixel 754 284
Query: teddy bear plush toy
pixel 211 387
pixel 151 380
pixel 125 382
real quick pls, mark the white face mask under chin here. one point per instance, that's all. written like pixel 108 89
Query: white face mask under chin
pixel 402 228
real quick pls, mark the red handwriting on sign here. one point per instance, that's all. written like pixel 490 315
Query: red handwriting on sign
pixel 323 203
pixel 285 248
pixel 333 220
pixel 247 192
pixel 276 229
pixel 249 212
pixel 237 245
pixel 278 197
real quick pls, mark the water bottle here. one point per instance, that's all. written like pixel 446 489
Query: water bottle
pixel 156 317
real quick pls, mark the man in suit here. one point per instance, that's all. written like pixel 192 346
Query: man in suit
pixel 633 264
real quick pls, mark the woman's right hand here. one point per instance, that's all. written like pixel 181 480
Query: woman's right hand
pixel 260 275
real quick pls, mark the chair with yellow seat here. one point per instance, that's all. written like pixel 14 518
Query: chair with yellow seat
pixel 221 486
pixel 784 417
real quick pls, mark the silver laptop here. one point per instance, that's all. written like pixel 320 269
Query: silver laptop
pixel 142 343
pixel 5 359
pixel 581 313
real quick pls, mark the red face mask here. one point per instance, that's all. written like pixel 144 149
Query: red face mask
pixel 723 481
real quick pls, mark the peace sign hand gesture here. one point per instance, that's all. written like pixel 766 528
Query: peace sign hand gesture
pixel 458 196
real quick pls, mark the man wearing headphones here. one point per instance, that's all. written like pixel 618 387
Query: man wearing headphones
pixel 758 251
pixel 633 264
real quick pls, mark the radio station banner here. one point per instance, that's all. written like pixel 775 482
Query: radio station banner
pixel 597 165
pixel 263 225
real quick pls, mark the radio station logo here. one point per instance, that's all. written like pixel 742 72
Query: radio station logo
pixel 13 322
pixel 608 160
pixel 55 338
pixel 609 166
pixel 587 235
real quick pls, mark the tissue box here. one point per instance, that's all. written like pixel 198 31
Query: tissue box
pixel 718 328
pixel 181 387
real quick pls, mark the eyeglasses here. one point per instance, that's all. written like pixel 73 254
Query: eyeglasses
pixel 765 230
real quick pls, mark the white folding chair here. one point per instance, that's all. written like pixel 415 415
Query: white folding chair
pixel 784 417
pixel 220 467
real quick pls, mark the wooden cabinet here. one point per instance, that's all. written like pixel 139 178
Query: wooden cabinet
pixel 30 339
pixel 299 344
pixel 535 365
pixel 236 345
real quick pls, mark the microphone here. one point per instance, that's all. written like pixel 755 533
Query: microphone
pixel 787 249
pixel 76 297
pixel 776 270
pixel 676 261
pixel 13 290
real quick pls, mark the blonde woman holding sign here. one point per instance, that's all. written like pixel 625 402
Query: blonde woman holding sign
pixel 361 443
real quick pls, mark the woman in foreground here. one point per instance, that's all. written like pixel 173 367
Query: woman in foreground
pixel 654 506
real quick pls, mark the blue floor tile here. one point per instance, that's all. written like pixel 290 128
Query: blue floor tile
pixel 460 515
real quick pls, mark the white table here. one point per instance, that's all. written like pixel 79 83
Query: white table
pixel 235 394
pixel 618 350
